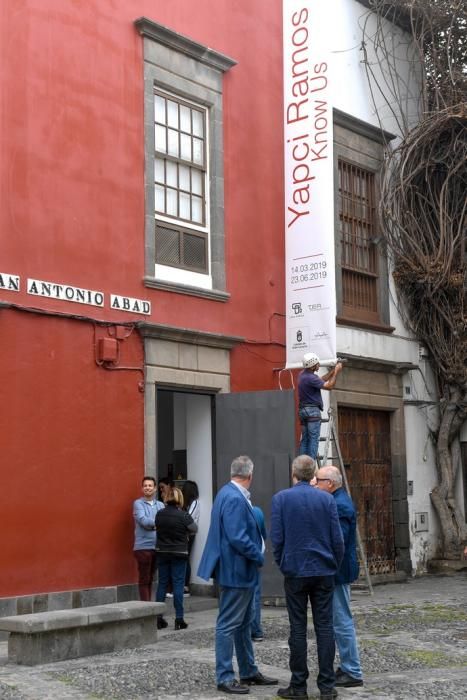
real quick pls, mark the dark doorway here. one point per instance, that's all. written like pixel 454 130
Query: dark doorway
pixel 184 451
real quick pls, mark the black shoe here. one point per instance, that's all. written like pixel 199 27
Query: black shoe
pixel 233 687
pixel 180 624
pixel 258 638
pixel 345 680
pixel 161 623
pixel 293 693
pixel 328 694
pixel 259 679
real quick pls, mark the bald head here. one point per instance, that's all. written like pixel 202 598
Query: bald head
pixel 329 478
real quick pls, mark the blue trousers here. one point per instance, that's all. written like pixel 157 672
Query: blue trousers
pixel 256 628
pixel 319 591
pixel 171 569
pixel 311 430
pixel 233 627
pixel 344 631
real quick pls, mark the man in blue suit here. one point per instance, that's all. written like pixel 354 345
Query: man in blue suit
pixel 349 674
pixel 233 552
pixel 308 548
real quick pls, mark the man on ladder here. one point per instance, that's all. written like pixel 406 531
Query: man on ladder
pixel 310 401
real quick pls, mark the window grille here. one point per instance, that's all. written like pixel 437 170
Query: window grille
pixel 181 248
pixel 357 228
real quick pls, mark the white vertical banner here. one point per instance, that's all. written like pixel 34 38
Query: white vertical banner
pixel 309 183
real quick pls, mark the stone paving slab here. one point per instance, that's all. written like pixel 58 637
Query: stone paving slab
pixel 412 638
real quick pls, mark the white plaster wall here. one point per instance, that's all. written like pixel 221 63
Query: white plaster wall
pixel 361 343
pixel 420 470
pixel 199 467
pixel 350 23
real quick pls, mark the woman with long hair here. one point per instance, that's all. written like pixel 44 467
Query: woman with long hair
pixel 173 528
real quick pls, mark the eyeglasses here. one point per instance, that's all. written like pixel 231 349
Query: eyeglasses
pixel 325 479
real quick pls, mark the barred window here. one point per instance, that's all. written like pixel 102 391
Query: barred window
pixel 357 229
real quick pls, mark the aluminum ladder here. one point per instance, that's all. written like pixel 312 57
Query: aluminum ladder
pixel 328 439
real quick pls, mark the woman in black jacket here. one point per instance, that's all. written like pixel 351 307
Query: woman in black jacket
pixel 173 526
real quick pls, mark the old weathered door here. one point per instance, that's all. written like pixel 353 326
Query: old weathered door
pixel 259 424
pixel 364 438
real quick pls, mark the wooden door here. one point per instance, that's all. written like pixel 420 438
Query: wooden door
pixel 364 438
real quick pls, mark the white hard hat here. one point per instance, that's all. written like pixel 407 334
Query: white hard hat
pixel 310 359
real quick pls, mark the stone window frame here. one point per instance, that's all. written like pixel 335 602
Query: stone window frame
pixel 176 64
pixel 361 144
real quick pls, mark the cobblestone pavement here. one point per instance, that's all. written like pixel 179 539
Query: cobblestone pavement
pixel 412 638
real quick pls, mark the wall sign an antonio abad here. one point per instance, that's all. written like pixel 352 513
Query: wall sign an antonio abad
pixel 66 292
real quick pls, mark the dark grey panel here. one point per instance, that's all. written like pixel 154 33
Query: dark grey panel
pixel 260 424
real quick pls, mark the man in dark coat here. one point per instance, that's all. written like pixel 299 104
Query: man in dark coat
pixel 349 674
pixel 308 547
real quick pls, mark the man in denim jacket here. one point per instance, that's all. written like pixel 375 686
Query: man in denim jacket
pixel 144 514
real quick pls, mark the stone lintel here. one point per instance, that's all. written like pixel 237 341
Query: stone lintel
pixel 188 335
pixel 176 41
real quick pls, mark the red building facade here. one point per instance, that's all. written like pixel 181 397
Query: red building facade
pixel 142 251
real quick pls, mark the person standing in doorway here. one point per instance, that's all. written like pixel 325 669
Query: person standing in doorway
pixel 191 506
pixel 349 674
pixel 232 555
pixel 308 548
pixel 163 485
pixel 310 401
pixel 144 514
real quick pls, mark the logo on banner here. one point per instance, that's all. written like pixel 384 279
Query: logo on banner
pixel 297 308
pixel 299 338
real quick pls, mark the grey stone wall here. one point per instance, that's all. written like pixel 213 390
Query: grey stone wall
pixel 65 600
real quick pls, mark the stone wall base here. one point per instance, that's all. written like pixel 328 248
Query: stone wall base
pixel 65 600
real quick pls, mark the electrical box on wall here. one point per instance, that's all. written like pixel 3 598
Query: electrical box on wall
pixel 421 522
pixel 107 350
